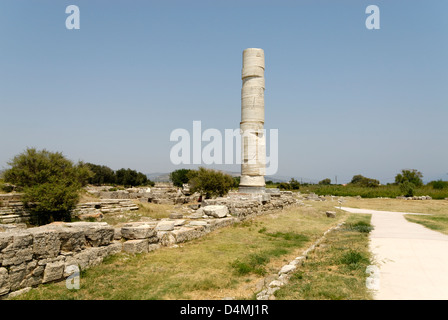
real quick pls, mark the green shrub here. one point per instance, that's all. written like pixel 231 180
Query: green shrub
pixel 210 183
pixel 439 184
pixel 360 226
pixel 325 182
pixel 407 188
pixel 50 183
pixel 409 175
pixel 353 259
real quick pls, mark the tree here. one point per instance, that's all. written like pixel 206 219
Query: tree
pixel 131 178
pixel 362 181
pixel 325 182
pixel 210 183
pixel 179 177
pixel 101 174
pixel 50 183
pixel 294 184
pixel 411 175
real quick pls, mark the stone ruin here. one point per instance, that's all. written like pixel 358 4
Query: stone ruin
pixel 161 193
pixel 32 256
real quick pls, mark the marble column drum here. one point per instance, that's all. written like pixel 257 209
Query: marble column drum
pixel 253 141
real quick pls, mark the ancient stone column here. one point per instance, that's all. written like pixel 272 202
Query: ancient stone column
pixel 253 142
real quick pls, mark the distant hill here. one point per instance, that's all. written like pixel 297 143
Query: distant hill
pixel 158 177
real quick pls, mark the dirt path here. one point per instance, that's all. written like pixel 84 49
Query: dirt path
pixel 412 259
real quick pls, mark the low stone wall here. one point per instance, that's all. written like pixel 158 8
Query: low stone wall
pixel 12 209
pixel 29 257
pixel 160 194
pixel 96 209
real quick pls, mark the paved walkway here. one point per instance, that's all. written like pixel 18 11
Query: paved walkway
pixel 412 259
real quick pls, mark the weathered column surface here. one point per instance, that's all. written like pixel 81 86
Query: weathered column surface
pixel 253 143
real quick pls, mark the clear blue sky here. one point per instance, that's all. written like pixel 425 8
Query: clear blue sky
pixel 346 100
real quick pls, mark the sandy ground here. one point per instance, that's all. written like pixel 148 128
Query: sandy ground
pixel 412 259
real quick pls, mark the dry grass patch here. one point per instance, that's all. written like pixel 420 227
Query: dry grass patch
pixel 438 210
pixel 146 210
pixel 399 205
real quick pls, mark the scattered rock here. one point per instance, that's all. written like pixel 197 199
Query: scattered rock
pixel 217 211
pixel 165 226
pixel 176 215
pixel 286 269
pixel 331 214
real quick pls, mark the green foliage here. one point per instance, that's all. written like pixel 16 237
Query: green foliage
pixel 179 177
pixel 101 174
pixel 50 183
pixel 236 182
pixel 210 183
pixel 126 177
pixel 132 178
pixel 439 184
pixel 354 260
pixel 407 188
pixel 293 184
pixel 360 226
pixel 362 181
pixel 410 175
pixel 325 182
pixel 284 186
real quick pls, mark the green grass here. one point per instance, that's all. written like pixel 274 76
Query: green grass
pixel 336 269
pixel 255 263
pixel 227 262
pixel 386 191
pixel 437 222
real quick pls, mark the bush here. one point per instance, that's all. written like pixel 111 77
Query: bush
pixel 295 185
pixel 210 183
pixel 362 181
pixel 407 188
pixel 50 182
pixel 284 186
pixel 439 184
pixel 325 182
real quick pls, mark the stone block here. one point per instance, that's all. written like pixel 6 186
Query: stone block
pixel 53 271
pixel 138 232
pixel 176 215
pixel 165 226
pixel 46 242
pixel 5 285
pixel 136 246
pixel 99 235
pixel 217 211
